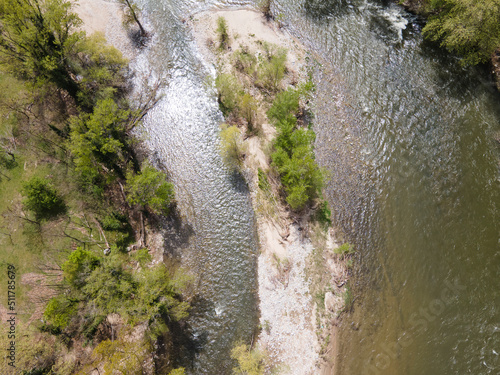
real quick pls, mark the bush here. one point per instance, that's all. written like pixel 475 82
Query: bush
pixel 285 104
pixel 59 311
pixel 42 199
pixel 344 249
pixel 470 28
pixel 231 144
pixel 150 188
pixel 324 215
pixel 294 158
pixel 250 362
pixel 228 90
pixel 272 68
pixel 244 61
pixel 248 109
pixel 222 32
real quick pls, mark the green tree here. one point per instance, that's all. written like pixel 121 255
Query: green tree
pixel 42 198
pixel 122 357
pixel 97 142
pixel 468 27
pixel 150 188
pixel 80 264
pixel 35 39
pixel 231 144
pixel 158 296
pixel 131 15
pixel 223 33
pixel 60 310
pixel 248 109
pixel 228 90
pixel 250 362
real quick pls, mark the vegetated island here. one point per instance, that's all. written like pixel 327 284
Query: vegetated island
pixel 264 88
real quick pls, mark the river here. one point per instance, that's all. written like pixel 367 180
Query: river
pixel 408 137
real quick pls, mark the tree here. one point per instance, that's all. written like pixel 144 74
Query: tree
pixel 42 198
pixel 97 142
pixel 468 27
pixel 248 109
pixel 250 362
pixel 231 144
pixel 35 39
pixel 227 89
pixel 131 16
pixel 223 33
pixel 150 188
pixel 122 357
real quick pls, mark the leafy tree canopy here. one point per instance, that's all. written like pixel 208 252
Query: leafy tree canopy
pixel 150 188
pixel 468 27
pixel 42 198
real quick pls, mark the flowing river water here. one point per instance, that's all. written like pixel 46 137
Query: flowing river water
pixel 408 137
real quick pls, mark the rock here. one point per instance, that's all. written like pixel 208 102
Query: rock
pixel 329 301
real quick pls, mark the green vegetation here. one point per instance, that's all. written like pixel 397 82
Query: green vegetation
pixel 250 362
pixel 222 33
pixel 96 286
pixel 150 188
pixel 272 67
pixel 42 199
pixel 228 91
pixel 231 144
pixel 72 189
pixel 293 157
pixel 467 27
pixel 123 357
pixel 344 249
pixel 248 110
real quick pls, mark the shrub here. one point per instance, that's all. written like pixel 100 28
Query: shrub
pixel 231 144
pixel 294 158
pixel 42 198
pixel 228 90
pixel 248 109
pixel 222 32
pixel 285 104
pixel 344 249
pixel 250 362
pixel 324 215
pixel 470 28
pixel 150 188
pixel 272 68
pixel 244 61
pixel 59 311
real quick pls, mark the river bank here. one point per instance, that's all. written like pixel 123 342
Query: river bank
pixel 297 331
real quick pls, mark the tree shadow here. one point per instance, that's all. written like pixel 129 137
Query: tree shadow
pixel 183 344
pixel 323 10
pixel 177 233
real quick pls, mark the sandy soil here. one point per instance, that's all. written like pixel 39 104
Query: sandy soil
pixel 105 17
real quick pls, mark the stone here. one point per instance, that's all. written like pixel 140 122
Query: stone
pixel 330 301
